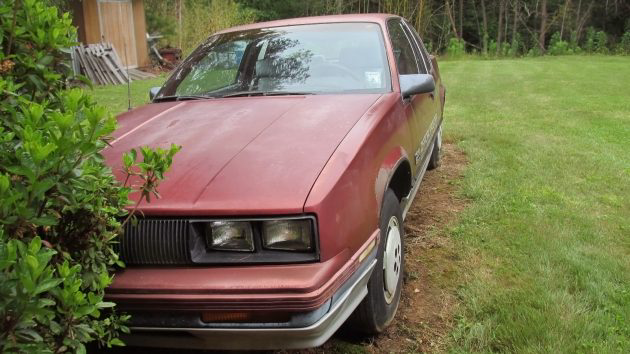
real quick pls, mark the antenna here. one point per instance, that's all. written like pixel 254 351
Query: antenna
pixel 128 78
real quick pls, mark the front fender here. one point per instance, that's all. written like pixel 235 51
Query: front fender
pixel 386 172
pixel 348 193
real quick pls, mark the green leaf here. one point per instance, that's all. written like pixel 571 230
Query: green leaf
pixel 47 285
pixel 4 183
pixel 80 349
pixel 127 160
pixel 116 342
pixel 32 263
pixel 47 220
pixel 105 304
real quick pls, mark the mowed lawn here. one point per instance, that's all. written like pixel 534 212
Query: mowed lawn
pixel 115 97
pixel 545 241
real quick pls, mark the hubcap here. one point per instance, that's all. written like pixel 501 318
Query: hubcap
pixel 439 138
pixel 392 259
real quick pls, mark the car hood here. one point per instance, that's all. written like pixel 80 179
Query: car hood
pixel 239 156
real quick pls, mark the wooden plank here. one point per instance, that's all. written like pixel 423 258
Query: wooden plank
pixel 116 61
pixel 85 67
pixel 104 77
pixel 95 50
pixel 113 70
pixel 97 77
pixel 76 67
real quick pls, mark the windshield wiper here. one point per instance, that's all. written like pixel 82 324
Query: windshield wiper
pixel 181 98
pixel 266 93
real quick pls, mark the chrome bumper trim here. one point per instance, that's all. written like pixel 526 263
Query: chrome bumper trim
pixel 260 338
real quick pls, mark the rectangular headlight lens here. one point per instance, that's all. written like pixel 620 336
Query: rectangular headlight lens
pixel 230 236
pixel 288 235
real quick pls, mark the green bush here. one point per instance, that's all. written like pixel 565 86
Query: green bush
pixel 456 48
pixel 557 46
pixel 492 47
pixel 60 205
pixel 624 44
pixel 596 41
pixel 515 46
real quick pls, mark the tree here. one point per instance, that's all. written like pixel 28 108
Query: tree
pixel 543 25
pixel 449 12
pixel 500 26
pixel 514 24
pixel 460 35
pixel 484 26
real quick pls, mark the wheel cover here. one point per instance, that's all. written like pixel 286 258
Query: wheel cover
pixel 439 138
pixel 392 259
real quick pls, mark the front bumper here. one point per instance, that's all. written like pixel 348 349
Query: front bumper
pixel 341 306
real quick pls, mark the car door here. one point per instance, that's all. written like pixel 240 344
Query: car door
pixel 432 120
pixel 419 108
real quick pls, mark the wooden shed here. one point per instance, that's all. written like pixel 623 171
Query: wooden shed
pixel 120 22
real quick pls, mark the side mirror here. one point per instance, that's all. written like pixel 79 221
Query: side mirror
pixel 416 84
pixel 153 91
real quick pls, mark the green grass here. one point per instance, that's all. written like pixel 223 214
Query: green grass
pixel 114 97
pixel 547 234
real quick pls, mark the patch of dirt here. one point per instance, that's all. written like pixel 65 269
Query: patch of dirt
pixel 428 302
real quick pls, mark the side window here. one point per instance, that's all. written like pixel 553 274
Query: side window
pixel 425 55
pixel 426 60
pixel 404 53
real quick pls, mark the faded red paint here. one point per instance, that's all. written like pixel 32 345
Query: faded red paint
pixel 328 155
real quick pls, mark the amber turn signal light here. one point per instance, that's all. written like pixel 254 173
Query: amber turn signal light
pixel 244 317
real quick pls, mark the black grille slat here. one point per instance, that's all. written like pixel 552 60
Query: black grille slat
pixel 155 242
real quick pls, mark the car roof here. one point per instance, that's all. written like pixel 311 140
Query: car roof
pixel 373 17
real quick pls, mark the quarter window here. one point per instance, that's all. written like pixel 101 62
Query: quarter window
pixel 403 52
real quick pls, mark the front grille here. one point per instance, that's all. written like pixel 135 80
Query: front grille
pixel 155 242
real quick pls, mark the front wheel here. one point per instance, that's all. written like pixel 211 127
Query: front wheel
pixel 378 308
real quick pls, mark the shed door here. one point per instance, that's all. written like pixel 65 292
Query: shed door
pixel 117 28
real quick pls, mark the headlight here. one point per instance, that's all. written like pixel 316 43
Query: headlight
pixel 288 235
pixel 230 236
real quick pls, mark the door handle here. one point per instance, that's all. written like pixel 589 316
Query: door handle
pixel 432 96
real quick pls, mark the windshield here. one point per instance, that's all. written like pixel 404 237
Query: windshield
pixel 305 59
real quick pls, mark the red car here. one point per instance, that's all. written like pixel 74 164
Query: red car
pixel 303 142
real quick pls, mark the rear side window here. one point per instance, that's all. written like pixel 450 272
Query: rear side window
pixel 403 51
pixel 423 52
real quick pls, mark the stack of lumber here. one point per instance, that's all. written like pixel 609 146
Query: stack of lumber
pixel 102 65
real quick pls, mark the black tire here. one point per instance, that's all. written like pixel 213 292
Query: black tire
pixel 375 313
pixel 434 160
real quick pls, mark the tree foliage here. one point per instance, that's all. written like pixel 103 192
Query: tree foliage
pixel 60 206
pixel 490 27
pixel 515 26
